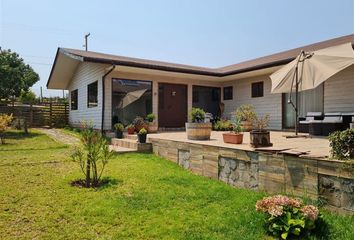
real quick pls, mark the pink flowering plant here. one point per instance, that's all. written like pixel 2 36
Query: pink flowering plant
pixel 288 216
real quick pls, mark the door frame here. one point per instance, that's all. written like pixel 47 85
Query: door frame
pixel 158 98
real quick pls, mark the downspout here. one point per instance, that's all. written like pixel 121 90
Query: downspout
pixel 103 94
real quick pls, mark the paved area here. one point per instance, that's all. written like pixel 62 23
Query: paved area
pixel 59 135
pixel 311 146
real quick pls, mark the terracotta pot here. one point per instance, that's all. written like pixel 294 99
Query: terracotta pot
pixel 260 139
pixel 234 138
pixel 246 126
pixel 198 131
pixel 131 130
pixel 152 127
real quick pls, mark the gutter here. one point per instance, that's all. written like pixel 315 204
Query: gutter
pixel 103 94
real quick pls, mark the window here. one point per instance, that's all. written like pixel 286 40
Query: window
pixel 195 96
pixel 73 99
pixel 228 93
pixel 257 89
pixel 92 95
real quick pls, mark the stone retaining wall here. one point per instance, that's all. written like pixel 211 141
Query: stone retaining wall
pixel 332 182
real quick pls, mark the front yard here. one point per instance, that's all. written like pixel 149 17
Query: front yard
pixel 147 198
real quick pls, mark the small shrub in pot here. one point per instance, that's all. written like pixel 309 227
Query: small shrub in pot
pixel 142 135
pixel 139 123
pixel 259 136
pixel 152 125
pixel 118 130
pixel 246 114
pixel 130 129
pixel 236 135
pixel 197 129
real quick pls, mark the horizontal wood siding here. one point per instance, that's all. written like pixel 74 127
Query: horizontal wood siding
pixel 339 92
pixel 87 73
pixel 268 104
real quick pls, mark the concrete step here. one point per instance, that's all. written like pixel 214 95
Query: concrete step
pixel 121 149
pixel 130 136
pixel 132 144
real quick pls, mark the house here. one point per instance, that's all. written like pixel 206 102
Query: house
pixel 101 87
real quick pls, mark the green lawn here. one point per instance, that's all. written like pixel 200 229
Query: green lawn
pixel 149 198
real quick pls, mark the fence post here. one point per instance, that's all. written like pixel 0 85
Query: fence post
pixel 31 116
pixel 50 113
pixel 66 119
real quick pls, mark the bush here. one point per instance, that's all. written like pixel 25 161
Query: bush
pixel 139 123
pixel 222 125
pixel 245 113
pixel 119 127
pixel 197 115
pixel 5 121
pixel 150 117
pixel 92 156
pixel 342 144
pixel 142 131
pixel 261 123
pixel 288 216
pixel 236 126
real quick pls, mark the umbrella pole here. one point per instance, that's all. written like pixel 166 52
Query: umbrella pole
pixel 297 102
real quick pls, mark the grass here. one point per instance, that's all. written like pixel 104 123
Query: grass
pixel 148 198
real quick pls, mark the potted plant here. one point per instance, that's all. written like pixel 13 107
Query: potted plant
pixel 197 129
pixel 260 137
pixel 235 136
pixel 246 114
pixel 118 127
pixel 142 135
pixel 130 129
pixel 139 123
pixel 152 124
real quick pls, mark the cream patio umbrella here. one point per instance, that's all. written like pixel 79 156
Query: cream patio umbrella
pixel 309 70
pixel 131 97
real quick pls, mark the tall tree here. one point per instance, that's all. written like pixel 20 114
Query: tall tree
pixel 15 75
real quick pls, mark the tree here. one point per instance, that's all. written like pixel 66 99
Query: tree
pixel 28 97
pixel 15 75
pixel 93 156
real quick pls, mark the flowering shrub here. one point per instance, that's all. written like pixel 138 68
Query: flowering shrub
pixel 287 216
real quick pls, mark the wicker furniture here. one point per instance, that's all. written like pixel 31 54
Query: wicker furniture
pixel 305 122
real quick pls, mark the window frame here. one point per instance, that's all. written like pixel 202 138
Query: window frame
pixel 75 103
pixel 230 92
pixel 257 89
pixel 92 104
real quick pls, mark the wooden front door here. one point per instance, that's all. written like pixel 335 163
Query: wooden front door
pixel 172 105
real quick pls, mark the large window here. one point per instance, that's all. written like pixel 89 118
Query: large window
pixel 130 98
pixel 228 93
pixel 257 89
pixel 73 99
pixel 92 92
pixel 207 98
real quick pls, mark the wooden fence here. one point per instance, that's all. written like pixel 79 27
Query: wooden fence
pixel 52 114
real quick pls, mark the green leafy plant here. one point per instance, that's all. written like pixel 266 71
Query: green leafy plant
pixel 92 156
pixel 150 117
pixel 287 216
pixel 237 126
pixel 245 113
pixel 197 115
pixel 261 123
pixel 342 144
pixel 5 121
pixel 222 125
pixel 130 126
pixel 142 131
pixel 119 127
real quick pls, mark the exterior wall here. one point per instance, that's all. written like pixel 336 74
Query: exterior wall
pixel 268 104
pixel 85 74
pixel 328 180
pixel 156 79
pixel 339 92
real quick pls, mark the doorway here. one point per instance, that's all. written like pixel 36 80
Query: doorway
pixel 172 110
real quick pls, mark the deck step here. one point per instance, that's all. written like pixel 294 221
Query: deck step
pixel 132 144
pixel 121 149
pixel 130 136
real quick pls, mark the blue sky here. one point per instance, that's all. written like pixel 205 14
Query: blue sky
pixel 197 32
